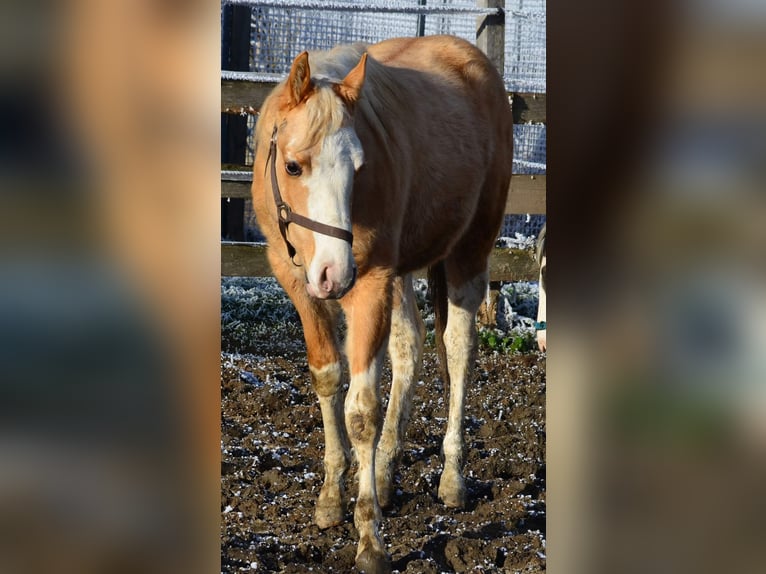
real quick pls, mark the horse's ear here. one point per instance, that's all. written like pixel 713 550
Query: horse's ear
pixel 351 86
pixel 299 81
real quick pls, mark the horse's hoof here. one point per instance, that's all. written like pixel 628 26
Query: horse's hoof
pixel 327 515
pixel 385 495
pixel 384 482
pixel 452 491
pixel 371 561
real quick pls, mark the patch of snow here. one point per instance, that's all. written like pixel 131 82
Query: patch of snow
pixel 518 241
pixel 250 378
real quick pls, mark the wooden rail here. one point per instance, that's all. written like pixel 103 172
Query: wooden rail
pixel 249 260
pixel 526 194
pixel 247 96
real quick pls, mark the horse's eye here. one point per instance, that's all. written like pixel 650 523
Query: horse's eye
pixel 293 168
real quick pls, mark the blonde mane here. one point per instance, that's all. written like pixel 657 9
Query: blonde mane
pixel 324 112
pixel 333 65
pixel 324 115
pixel 327 113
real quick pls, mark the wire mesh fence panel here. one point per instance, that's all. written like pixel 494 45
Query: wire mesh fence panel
pixel 525 55
pixel 529 142
pixel 523 229
pixel 279 34
pixel 282 31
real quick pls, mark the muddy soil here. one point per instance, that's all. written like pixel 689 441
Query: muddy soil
pixel 272 443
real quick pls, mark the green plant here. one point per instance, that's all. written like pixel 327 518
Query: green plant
pixel 507 343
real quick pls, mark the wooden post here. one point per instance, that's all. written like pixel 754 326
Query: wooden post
pixel 490 33
pixel 487 314
pixel 235 55
pixel 490 38
pixel 235 46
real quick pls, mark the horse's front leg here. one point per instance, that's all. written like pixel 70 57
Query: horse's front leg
pixel 368 313
pixel 319 322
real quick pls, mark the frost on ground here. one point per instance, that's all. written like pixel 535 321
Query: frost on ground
pixel 518 241
pixel 272 448
pixel 517 307
pixel 257 311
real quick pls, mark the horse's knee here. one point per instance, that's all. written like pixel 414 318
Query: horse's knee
pixel 363 426
pixel 326 380
pixel 362 413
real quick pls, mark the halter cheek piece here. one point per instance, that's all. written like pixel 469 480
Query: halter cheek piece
pixel 286 215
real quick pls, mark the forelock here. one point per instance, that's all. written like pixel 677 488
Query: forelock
pixel 324 115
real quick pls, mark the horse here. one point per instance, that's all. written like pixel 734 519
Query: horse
pixel 372 162
pixel 541 325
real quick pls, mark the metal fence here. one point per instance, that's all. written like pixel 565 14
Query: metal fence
pixel 282 28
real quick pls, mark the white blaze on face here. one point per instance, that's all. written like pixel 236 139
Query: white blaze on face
pixel 329 201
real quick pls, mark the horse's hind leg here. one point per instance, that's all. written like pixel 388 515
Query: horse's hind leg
pixel 465 295
pixel 325 365
pixel 405 347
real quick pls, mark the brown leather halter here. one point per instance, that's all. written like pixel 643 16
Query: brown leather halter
pixel 286 215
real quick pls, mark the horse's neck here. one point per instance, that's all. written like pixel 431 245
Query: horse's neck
pixel 386 97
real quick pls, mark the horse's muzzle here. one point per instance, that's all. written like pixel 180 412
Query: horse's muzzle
pixel 330 285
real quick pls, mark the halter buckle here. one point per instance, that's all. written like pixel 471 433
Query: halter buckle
pixel 284 211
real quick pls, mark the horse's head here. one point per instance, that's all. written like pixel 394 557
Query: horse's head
pixel 313 155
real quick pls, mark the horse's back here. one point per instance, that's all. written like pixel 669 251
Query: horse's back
pixel 460 131
pixel 443 59
pixel 435 54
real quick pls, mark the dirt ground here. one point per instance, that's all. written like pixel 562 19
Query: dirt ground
pixel 272 448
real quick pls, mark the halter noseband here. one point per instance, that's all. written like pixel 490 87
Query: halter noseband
pixel 286 215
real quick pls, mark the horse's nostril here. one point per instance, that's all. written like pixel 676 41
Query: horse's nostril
pixel 324 280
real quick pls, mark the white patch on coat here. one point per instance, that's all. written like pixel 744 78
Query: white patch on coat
pixel 330 187
pixel 327 384
pixel 327 376
pixel 405 347
pixel 460 340
pixel 362 411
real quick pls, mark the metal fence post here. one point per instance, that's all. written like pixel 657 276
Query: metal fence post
pixel 421 20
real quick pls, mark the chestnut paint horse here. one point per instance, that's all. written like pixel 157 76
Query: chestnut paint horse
pixel 373 162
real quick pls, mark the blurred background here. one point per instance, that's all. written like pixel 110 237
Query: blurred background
pixel 657 297
pixel 109 305
pixel 109 294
